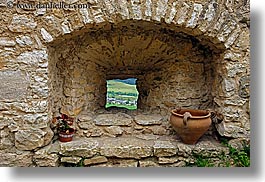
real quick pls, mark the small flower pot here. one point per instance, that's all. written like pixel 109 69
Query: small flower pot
pixel 190 124
pixel 66 136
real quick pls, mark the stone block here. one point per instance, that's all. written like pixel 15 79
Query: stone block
pixel 29 139
pixel 16 160
pixel 13 85
pixel 197 9
pixel 24 41
pixel 244 87
pixel 148 119
pixel 33 59
pixel 148 163
pixel 46 160
pixel 46 35
pixel 82 148
pixel 22 23
pixel 95 160
pixel 48 136
pixel 209 148
pixel 164 148
pixel 118 163
pixel 7 42
pixel 147 136
pixel 86 125
pixel 126 148
pixel 158 130
pixel 119 119
pixel 114 130
pixel 72 160
pixel 167 160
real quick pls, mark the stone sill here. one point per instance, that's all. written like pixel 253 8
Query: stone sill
pixel 159 150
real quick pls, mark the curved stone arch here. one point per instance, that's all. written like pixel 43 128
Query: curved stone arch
pixel 212 23
pixel 208 21
pixel 27 35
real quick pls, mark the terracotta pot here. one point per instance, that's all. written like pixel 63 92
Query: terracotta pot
pixel 66 137
pixel 190 124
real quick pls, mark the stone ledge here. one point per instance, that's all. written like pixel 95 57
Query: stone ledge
pixel 136 148
pixel 154 151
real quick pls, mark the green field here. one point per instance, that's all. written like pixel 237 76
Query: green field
pixel 124 95
pixel 122 106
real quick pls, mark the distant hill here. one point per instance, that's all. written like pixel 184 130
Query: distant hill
pixel 121 87
pixel 130 81
pixel 120 94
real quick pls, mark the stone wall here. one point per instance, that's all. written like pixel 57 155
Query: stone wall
pixel 184 53
pixel 169 67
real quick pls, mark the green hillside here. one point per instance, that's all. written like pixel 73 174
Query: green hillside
pixel 120 94
pixel 117 86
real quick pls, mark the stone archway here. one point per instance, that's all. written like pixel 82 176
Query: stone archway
pixel 209 23
pixel 215 27
pixel 173 69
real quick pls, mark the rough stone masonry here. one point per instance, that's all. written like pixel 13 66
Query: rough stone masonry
pixel 191 54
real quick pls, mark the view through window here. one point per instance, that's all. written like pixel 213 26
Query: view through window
pixel 122 93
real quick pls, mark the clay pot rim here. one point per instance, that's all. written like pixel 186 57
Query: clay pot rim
pixel 174 112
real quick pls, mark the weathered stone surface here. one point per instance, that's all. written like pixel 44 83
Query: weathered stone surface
pixel 119 119
pixel 147 137
pixel 197 9
pixel 184 150
pixel 167 160
pixel 13 85
pixel 16 160
pixel 66 27
pixel 126 163
pixel 54 148
pixel 148 119
pixel 22 23
pixel 85 118
pixel 158 130
pixel 85 16
pixel 119 163
pixel 40 11
pixel 148 163
pixel 210 148
pixel 36 120
pixel 72 160
pixel 7 42
pixel 244 87
pixel 48 136
pixel 239 143
pixel 136 10
pixel 126 148
pixel 24 41
pixel 178 164
pixel 6 139
pixel 34 107
pixel 235 131
pixel 175 49
pixel 95 160
pixel 82 148
pixel 114 130
pixel 86 124
pixel 29 139
pixel 46 35
pixel 34 58
pixel 4 121
pixel 46 160
pixel 164 148
pixel 96 132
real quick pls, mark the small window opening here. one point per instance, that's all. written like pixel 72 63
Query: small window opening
pixel 122 93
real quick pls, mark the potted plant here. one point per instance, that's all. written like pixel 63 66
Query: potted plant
pixel 64 127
